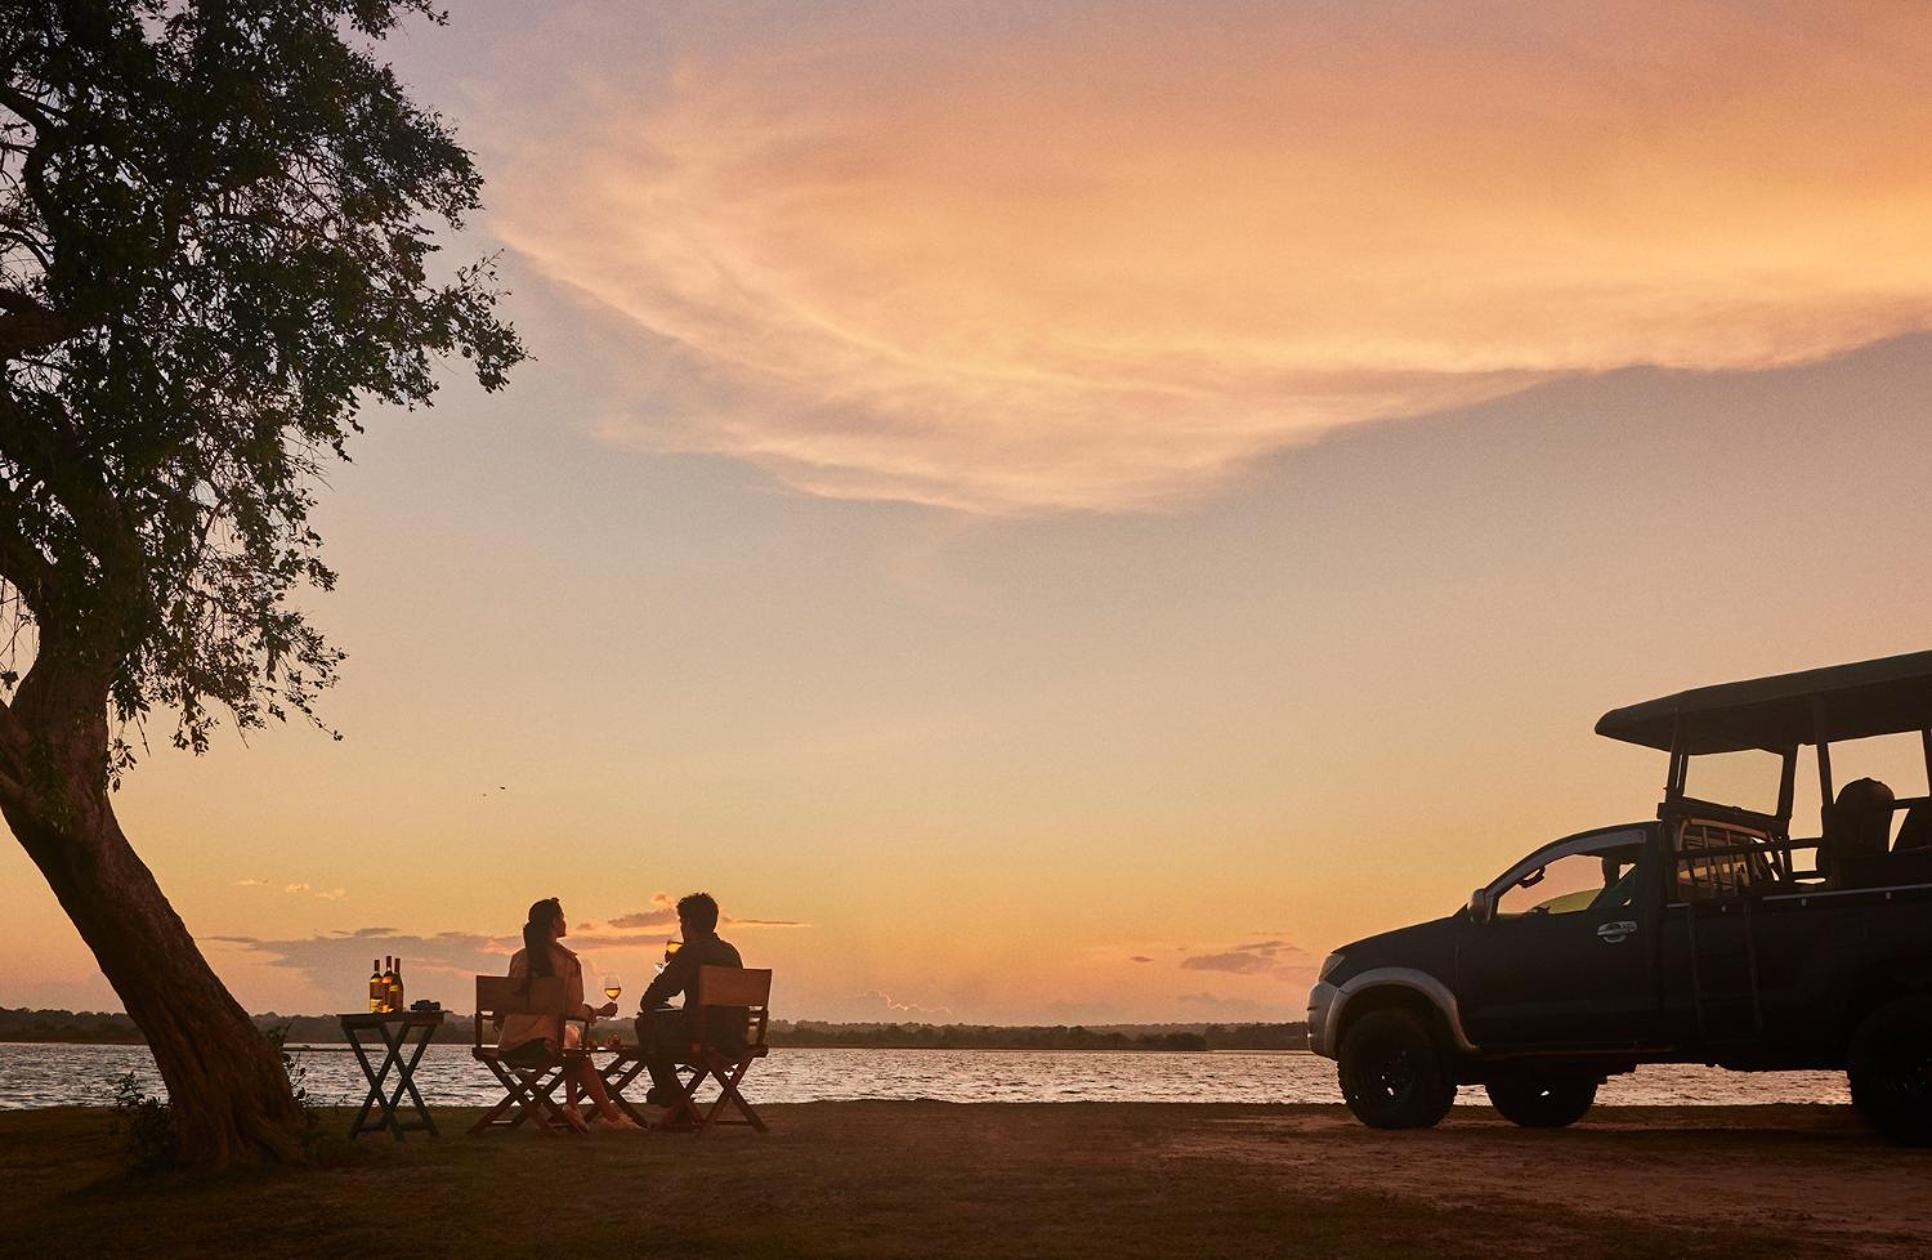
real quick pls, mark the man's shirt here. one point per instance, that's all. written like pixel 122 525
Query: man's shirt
pixel 680 976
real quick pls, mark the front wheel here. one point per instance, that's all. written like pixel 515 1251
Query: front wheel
pixel 1392 1072
pixel 1890 1069
pixel 1540 1100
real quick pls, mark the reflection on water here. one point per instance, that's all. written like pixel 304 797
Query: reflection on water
pixel 47 1076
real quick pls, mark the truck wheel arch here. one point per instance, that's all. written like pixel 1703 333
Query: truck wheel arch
pixel 1407 988
pixel 1875 988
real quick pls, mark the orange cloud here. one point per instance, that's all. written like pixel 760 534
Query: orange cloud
pixel 1087 257
pixel 664 914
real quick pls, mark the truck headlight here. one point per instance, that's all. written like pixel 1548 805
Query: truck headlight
pixel 1328 965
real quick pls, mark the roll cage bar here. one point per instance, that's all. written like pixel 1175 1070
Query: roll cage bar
pixel 1724 849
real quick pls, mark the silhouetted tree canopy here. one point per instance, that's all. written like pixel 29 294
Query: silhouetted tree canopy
pixel 217 229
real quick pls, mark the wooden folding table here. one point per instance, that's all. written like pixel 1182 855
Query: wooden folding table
pixel 404 1035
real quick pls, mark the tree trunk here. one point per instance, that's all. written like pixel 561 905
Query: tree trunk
pixel 230 1097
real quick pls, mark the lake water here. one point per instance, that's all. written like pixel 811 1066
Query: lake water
pixel 51 1076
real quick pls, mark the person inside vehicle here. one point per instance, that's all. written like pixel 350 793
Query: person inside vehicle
pixel 664 1032
pixel 1619 883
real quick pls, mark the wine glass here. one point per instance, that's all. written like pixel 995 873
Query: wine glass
pixel 613 987
pixel 671 949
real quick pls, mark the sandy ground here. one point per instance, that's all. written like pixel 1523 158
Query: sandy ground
pixel 1005 1180
pixel 1783 1174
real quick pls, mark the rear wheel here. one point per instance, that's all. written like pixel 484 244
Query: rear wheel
pixel 1392 1072
pixel 1541 1100
pixel 1890 1068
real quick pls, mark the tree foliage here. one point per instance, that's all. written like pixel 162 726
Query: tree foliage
pixel 218 229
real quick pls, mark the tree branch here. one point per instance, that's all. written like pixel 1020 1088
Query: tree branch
pixel 26 326
pixel 41 115
pixel 47 449
pixel 20 562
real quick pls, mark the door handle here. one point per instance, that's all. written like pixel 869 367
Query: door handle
pixel 1616 933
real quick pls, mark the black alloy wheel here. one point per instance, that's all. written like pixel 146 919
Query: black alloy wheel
pixel 1541 1100
pixel 1890 1069
pixel 1392 1072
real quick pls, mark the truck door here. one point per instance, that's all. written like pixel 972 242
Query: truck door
pixel 1565 957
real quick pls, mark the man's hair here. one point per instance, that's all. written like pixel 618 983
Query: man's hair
pixel 700 910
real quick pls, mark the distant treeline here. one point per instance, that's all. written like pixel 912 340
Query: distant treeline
pixel 101 1028
pixel 70 1026
pixel 113 1029
pixel 1055 1037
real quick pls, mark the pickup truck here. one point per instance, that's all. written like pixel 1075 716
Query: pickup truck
pixel 1708 934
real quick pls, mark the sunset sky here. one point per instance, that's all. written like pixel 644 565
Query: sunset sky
pixel 1063 513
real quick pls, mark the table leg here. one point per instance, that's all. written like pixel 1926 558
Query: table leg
pixel 407 1070
pixel 392 1059
pixel 404 1057
pixel 375 1078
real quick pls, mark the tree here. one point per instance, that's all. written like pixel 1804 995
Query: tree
pixel 217 222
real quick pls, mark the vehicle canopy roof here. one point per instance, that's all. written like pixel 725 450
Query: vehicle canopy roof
pixel 1880 697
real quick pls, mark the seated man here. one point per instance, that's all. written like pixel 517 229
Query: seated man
pixel 664 1031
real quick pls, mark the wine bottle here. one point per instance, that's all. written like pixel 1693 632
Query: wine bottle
pixel 378 991
pixel 396 989
pixel 388 984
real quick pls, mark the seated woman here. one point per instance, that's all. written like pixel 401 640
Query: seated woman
pixel 537 1039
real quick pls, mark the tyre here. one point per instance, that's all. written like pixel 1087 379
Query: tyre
pixel 1392 1072
pixel 1541 1100
pixel 1890 1068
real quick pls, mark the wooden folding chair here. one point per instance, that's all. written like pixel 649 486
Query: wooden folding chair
pixel 728 1017
pixel 529 1089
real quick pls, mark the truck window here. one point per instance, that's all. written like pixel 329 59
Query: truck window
pixel 1599 876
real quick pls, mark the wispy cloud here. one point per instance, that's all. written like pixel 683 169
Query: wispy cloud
pixel 326 957
pixel 329 959
pixel 296 889
pixel 893 1007
pixel 1271 958
pixel 663 913
pixel 1003 265
pixel 580 942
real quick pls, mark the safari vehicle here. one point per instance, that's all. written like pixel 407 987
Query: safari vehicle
pixel 1710 935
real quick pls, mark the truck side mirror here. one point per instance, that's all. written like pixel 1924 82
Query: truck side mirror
pixel 1481 908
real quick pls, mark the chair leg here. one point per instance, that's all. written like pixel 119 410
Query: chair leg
pixel 617 1079
pixel 551 1116
pixel 729 1095
pixel 519 1092
pixel 511 1092
pixel 686 1105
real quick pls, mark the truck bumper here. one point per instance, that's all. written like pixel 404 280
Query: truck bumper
pixel 1322 1001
